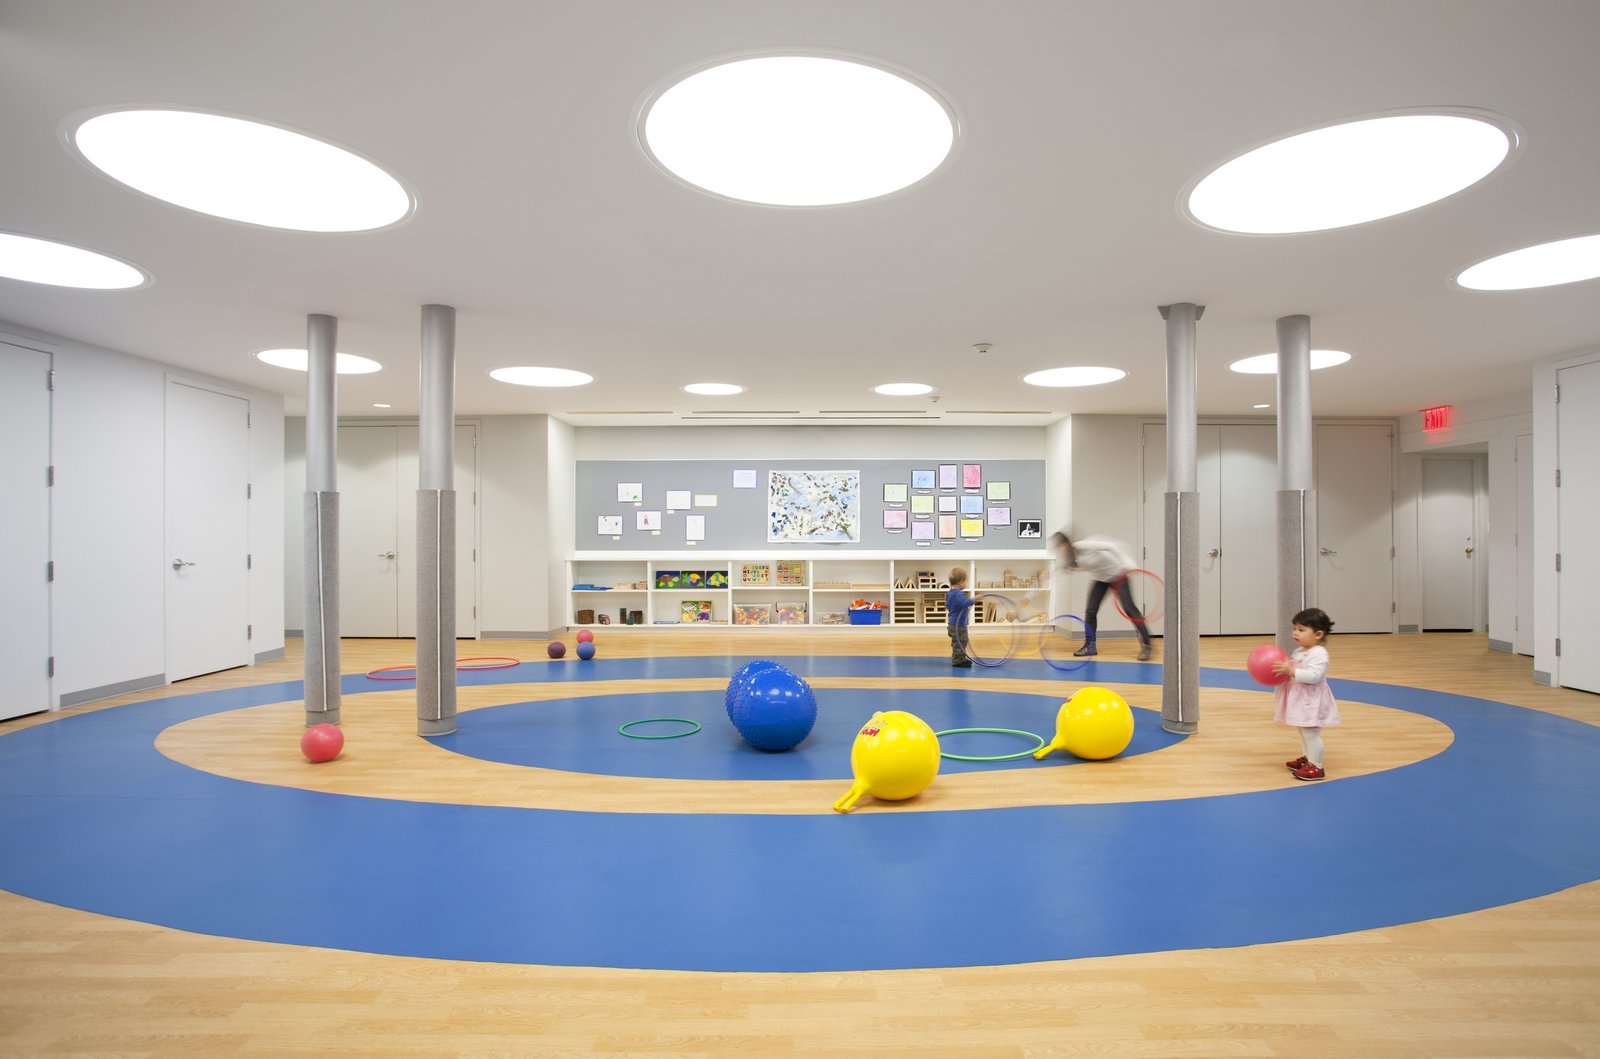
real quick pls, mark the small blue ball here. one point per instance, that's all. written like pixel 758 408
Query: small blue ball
pixel 773 709
pixel 585 650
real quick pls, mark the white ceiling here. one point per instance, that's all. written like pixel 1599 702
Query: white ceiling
pixel 1054 231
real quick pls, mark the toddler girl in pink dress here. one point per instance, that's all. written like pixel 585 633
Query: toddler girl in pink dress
pixel 1304 701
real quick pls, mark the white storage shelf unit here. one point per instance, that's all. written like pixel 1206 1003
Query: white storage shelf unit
pixel 808 589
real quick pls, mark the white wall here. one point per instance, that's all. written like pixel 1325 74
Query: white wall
pixel 108 602
pixel 560 499
pixel 1546 460
pixel 1490 425
pixel 513 493
pixel 780 441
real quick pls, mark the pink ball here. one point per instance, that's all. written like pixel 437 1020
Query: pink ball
pixel 585 636
pixel 1261 661
pixel 557 649
pixel 322 742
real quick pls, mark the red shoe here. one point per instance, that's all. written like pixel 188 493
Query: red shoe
pixel 1298 763
pixel 1310 772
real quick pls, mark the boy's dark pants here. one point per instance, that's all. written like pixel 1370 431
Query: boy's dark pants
pixel 958 644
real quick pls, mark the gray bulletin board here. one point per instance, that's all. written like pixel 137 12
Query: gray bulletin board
pixel 738 522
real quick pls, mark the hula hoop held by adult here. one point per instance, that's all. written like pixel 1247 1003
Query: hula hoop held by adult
pixel 1104 560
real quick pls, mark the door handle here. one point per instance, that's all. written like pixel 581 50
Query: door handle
pixel 1214 552
pixel 179 564
pixel 1469 549
pixel 1327 551
pixel 386 555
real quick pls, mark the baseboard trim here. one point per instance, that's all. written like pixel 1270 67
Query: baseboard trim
pixel 294 634
pixel 1501 645
pixel 1541 677
pixel 514 634
pixel 106 691
pixel 1410 628
pixel 270 656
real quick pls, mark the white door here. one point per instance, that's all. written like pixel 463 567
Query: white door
pixel 1523 643
pixel 466 485
pixel 1355 525
pixel 1247 512
pixel 208 531
pixel 1152 553
pixel 1447 543
pixel 370 557
pixel 1578 504
pixel 24 531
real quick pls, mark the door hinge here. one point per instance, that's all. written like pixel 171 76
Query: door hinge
pixel 1558 393
pixel 474 555
pixel 1391 551
pixel 50 379
pixel 1558 477
pixel 247 495
pixel 474 612
pixel 249 632
pixel 1391 606
pixel 1558 562
pixel 248 560
pixel 50 570
pixel 50 666
pixel 249 418
pixel 50 475
pixel 1516 623
pixel 1558 647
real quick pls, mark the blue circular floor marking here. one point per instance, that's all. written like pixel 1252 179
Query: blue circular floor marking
pixel 93 817
pixel 579 734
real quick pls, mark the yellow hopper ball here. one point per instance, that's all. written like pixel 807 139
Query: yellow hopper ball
pixel 1094 724
pixel 895 756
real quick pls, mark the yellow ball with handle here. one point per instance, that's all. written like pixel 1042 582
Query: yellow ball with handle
pixel 1095 724
pixel 895 756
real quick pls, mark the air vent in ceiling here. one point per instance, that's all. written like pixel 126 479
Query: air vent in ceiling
pixel 624 412
pixel 994 412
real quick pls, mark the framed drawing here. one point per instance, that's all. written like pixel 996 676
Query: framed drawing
pixel 949 476
pixel 998 490
pixel 971 475
pixel 1030 528
pixel 894 492
pixel 894 519
pixel 923 479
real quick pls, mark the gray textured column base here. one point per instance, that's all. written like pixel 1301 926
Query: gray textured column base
pixel 1504 646
pixel 1541 677
pixel 436 611
pixel 322 689
pixel 1297 558
pixel 1180 648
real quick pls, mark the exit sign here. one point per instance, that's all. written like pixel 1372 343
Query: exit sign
pixel 1436 418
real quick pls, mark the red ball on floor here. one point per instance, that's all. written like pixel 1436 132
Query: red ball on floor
pixel 585 636
pixel 322 742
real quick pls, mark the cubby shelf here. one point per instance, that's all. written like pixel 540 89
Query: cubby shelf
pixel 911 588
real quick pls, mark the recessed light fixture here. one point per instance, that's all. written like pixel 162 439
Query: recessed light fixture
pixel 242 170
pixel 797 130
pixel 1267 363
pixel 1545 265
pixel 1261 406
pixel 1076 376
pixel 903 389
pixel 1350 173
pixel 34 260
pixel 297 359
pixel 383 406
pixel 536 376
pixel 713 389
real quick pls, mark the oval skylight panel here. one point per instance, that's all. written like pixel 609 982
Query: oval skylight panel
pixel 902 389
pixel 299 360
pixel 713 389
pixel 242 170
pixel 531 375
pixel 1267 363
pixel 1349 174
pixel 35 260
pixel 798 130
pixel 1545 265
pixel 1081 375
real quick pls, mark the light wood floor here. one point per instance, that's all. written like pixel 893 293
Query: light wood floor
pixel 1520 980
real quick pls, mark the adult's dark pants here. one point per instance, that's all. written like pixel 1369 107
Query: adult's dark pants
pixel 1097 596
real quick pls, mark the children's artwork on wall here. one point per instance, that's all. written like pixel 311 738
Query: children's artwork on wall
pixel 630 492
pixel 894 519
pixel 813 507
pixel 922 504
pixel 947 504
pixel 647 520
pixel 1000 516
pixel 744 479
pixel 971 475
pixel 705 500
pixel 972 527
pixel 894 492
pixel 949 476
pixel 694 527
pixel 922 479
pixel 610 526
pixel 677 499
pixel 998 491
pixel 922 531
pixel 971 504
pixel 1030 528
pixel 947 527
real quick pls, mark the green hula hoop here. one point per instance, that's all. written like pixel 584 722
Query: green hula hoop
pixel 996 731
pixel 678 735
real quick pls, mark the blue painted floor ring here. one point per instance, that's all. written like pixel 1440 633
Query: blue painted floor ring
pixel 94 818
pixel 580 734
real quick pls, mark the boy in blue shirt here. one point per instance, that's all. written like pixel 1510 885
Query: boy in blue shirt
pixel 958 608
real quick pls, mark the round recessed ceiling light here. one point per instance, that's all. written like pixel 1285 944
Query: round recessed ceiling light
pixel 1079 376
pixel 297 359
pixel 59 265
pixel 1545 265
pixel 1267 363
pixel 242 170
pixel 534 376
pixel 903 389
pixel 1350 173
pixel 713 389
pixel 797 130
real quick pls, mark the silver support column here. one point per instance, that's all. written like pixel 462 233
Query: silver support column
pixel 1297 495
pixel 321 522
pixel 1180 644
pixel 436 525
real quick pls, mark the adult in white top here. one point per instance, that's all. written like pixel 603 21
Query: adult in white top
pixel 1108 563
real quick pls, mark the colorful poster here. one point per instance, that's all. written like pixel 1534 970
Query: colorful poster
pixel 1000 516
pixel 948 473
pixel 813 506
pixel 921 504
pixel 894 492
pixel 922 479
pixel 894 519
pixel 998 490
pixel 947 527
pixel 972 527
pixel 971 475
pixel 610 526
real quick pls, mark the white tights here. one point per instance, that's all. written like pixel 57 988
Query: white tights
pixel 1311 742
